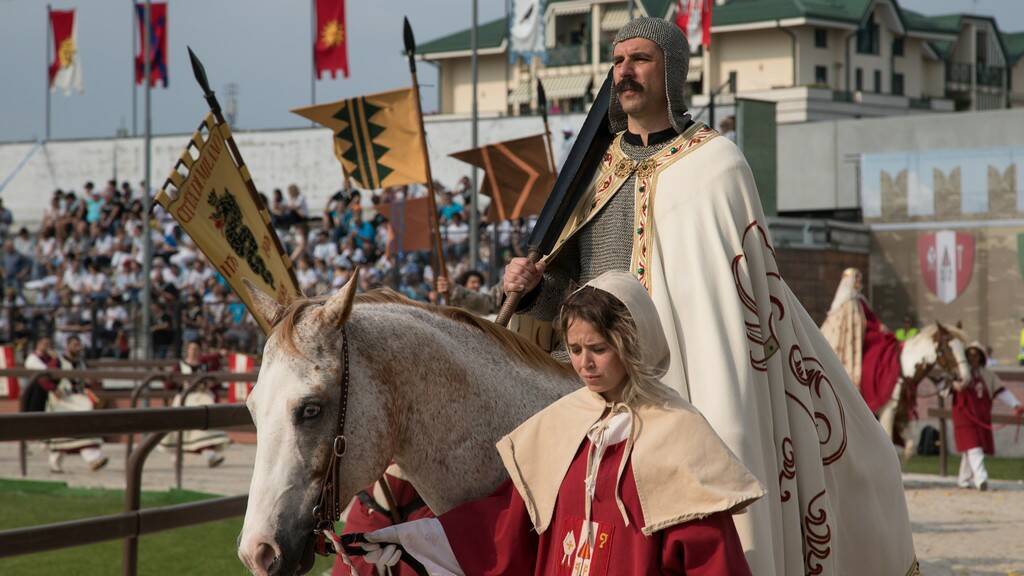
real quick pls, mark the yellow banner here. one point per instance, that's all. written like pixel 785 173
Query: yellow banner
pixel 377 138
pixel 214 201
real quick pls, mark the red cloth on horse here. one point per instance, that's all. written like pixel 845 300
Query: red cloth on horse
pixel 880 365
pixel 495 536
pixel 362 519
pixel 972 417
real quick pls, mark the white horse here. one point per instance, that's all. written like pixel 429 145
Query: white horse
pixel 430 388
pixel 936 352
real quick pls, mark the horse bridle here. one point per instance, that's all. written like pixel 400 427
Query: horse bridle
pixel 327 510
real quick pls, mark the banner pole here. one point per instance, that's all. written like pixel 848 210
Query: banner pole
pixel 49 62
pixel 312 51
pixel 147 198
pixel 432 218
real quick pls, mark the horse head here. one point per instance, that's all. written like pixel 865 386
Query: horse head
pixel 295 406
pixel 937 352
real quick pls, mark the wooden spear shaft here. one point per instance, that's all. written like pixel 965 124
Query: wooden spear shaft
pixel 435 226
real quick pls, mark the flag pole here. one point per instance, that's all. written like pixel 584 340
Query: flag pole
pixel 312 51
pixel 199 71
pixel 49 62
pixel 542 103
pixel 135 50
pixel 410 50
pixel 147 198
pixel 474 214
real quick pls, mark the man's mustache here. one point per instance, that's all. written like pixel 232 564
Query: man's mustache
pixel 628 84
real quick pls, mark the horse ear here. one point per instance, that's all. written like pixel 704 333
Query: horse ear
pixel 262 304
pixel 339 306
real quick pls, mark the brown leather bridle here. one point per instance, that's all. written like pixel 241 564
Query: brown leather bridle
pixel 327 510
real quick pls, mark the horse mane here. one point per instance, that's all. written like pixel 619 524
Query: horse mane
pixel 286 320
pixel 932 328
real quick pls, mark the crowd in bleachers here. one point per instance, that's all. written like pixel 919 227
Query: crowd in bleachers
pixel 81 272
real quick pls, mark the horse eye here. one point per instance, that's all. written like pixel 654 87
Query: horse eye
pixel 310 411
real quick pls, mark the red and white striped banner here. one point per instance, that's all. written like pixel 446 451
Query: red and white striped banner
pixel 240 363
pixel 9 387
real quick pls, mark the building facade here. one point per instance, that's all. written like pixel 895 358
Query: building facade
pixel 817 59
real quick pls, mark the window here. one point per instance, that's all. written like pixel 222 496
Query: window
pixel 858 80
pixel 897 84
pixel 820 75
pixel 732 81
pixel 820 38
pixel 897 46
pixel 878 81
pixel 867 39
pixel 982 42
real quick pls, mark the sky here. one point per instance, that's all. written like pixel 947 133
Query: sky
pixel 263 46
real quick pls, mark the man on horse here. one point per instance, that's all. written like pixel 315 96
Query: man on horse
pixel 676 206
pixel 868 350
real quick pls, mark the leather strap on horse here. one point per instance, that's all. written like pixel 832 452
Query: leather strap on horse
pixel 328 507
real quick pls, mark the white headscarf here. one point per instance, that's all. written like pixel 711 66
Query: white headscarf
pixel 848 288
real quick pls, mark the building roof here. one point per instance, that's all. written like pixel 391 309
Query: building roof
pixel 493 34
pixel 1014 43
pixel 488 35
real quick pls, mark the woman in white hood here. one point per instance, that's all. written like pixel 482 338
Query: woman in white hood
pixel 622 476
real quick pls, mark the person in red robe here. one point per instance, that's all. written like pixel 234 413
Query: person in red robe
pixel 370 510
pixel 622 476
pixel 972 417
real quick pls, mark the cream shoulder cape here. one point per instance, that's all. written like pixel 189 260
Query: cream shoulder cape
pixel 683 471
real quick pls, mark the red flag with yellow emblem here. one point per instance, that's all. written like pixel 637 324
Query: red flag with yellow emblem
pixel 330 50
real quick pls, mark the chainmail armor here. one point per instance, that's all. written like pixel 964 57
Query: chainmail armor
pixel 604 244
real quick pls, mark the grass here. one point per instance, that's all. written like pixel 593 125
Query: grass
pixel 998 468
pixel 201 549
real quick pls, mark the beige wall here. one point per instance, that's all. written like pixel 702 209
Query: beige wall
pixel 934 79
pixel 762 59
pixel 492 88
pixel 809 56
pixel 1017 84
pixel 911 65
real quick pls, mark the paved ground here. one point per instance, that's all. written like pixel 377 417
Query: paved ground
pixel 956 532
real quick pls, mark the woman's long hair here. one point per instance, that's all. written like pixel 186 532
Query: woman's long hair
pixel 613 322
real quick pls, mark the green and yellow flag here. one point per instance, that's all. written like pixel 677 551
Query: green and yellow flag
pixel 211 195
pixel 377 138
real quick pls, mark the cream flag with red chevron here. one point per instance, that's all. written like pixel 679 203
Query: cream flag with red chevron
pixel 9 387
pixel 240 364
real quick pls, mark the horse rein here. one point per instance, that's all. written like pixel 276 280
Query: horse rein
pixel 327 510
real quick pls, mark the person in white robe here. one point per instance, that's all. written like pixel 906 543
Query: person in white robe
pixel 745 352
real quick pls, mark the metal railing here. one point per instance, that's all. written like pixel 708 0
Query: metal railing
pixel 568 55
pixel 133 522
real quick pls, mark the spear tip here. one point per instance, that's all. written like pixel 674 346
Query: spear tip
pixel 199 70
pixel 410 40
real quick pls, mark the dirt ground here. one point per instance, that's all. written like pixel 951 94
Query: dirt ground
pixel 960 532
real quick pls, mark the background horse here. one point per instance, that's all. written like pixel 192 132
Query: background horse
pixel 936 352
pixel 430 388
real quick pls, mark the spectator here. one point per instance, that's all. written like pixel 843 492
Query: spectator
pixel 16 267
pixel 458 237
pixel 449 207
pixel 325 249
pixel 295 207
pixel 162 330
pixel 6 219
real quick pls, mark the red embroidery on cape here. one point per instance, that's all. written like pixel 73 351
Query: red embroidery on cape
pixel 817 536
pixel 767 344
pixel 809 374
pixel 788 466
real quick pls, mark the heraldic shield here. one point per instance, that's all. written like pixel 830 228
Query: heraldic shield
pixel 947 261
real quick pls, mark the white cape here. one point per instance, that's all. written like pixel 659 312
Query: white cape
pixel 751 359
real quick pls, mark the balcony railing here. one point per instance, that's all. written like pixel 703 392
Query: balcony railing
pixel 990 75
pixel 842 96
pixel 958 72
pixel 569 55
pixel 921 103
